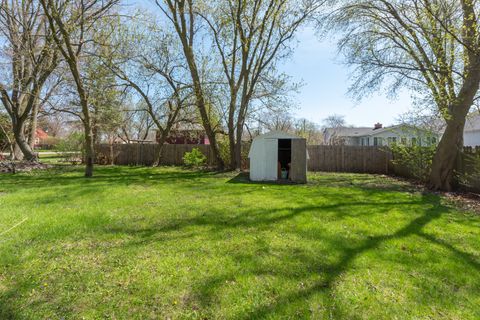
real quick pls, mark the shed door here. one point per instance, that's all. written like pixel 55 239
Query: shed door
pixel 271 159
pixel 298 167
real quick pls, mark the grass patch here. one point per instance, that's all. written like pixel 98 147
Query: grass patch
pixel 150 243
pixel 51 158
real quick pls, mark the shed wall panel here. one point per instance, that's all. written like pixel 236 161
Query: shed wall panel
pixel 298 168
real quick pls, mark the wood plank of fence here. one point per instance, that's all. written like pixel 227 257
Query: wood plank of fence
pixel 321 158
pixel 349 159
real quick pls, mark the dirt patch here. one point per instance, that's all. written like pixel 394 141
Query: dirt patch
pixel 464 200
pixel 21 166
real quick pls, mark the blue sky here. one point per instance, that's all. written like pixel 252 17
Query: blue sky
pixel 326 82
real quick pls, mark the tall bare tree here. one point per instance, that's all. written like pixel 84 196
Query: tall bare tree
pixel 429 46
pixel 73 24
pixel 28 57
pixel 182 16
pixel 153 67
pixel 250 38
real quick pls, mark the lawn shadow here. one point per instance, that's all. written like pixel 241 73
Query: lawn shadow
pixel 334 271
pixel 217 221
pixel 206 290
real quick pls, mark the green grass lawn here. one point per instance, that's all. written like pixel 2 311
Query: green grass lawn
pixel 144 243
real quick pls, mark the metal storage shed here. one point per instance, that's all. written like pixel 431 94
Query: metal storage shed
pixel 277 151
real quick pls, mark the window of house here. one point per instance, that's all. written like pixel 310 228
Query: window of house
pixel 377 141
pixel 414 141
pixel 392 140
pixel 404 140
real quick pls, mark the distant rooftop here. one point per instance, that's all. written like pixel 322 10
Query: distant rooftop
pixel 364 131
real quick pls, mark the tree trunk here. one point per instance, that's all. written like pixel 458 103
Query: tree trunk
pixel 239 136
pixel 238 155
pixel 206 122
pixel 238 146
pixel 232 147
pixel 442 175
pixel 33 126
pixel 21 141
pixel 158 156
pixel 215 150
pixel 451 144
pixel 445 159
pixel 201 103
pixel 89 151
pixel 158 153
pixel 16 152
pixel 112 162
pixel 87 125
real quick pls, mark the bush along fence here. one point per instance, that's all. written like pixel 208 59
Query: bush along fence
pixel 408 162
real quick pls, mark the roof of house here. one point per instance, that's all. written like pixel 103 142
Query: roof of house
pixel 364 131
pixel 276 134
pixel 349 131
pixel 40 133
pixel 187 126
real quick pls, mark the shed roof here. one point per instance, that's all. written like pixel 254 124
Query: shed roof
pixel 276 134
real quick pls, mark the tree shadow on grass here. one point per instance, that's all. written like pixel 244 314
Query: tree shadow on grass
pixel 218 221
pixel 334 271
pixel 208 288
pixel 257 218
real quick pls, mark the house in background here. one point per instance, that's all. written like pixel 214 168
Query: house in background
pixel 471 132
pixel 379 136
pixel 40 137
pixel 186 133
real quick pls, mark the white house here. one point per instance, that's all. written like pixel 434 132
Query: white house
pixel 379 135
pixel 278 155
pixel 471 132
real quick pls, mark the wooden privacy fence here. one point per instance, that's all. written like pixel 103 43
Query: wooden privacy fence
pixel 350 159
pixel 322 158
pixel 144 154
pixel 468 169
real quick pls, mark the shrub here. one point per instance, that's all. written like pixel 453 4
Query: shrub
pixel 415 160
pixel 71 148
pixel 195 158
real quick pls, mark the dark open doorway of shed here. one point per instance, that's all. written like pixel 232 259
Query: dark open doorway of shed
pixel 284 153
